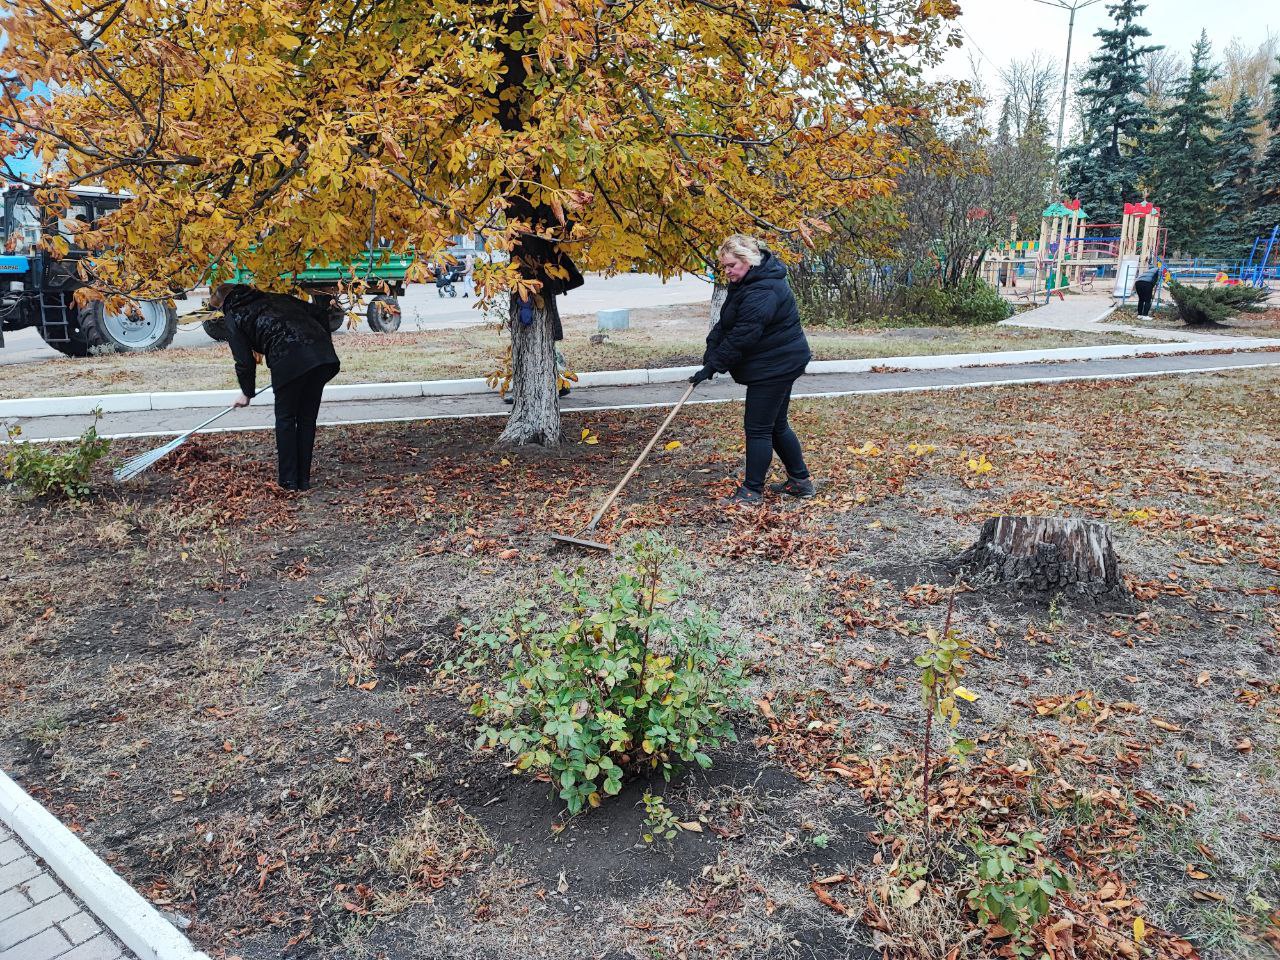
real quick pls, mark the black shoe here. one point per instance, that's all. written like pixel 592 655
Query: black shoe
pixel 509 399
pixel 291 487
pixel 742 497
pixel 800 489
pixel 564 391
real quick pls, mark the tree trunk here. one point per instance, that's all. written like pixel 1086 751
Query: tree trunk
pixel 718 294
pixel 535 416
pixel 1046 555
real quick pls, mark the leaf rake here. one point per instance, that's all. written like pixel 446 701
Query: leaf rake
pixel 145 461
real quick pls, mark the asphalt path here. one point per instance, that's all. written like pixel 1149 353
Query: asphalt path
pixel 259 416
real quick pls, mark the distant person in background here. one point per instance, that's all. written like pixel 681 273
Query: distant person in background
pixel 293 336
pixel 468 276
pixel 1145 287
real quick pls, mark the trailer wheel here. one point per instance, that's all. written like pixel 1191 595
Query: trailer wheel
pixel 332 308
pixel 383 314
pixel 215 327
pixel 108 331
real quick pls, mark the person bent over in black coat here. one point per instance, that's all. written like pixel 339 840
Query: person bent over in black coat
pixel 758 339
pixel 293 335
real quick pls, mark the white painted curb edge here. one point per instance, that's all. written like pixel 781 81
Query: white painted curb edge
pixel 114 902
pixel 195 399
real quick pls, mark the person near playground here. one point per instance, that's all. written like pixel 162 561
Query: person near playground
pixel 759 341
pixel 293 336
pixel 1144 285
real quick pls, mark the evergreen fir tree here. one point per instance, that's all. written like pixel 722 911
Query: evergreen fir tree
pixel 1235 152
pixel 1003 136
pixel 1266 180
pixel 1183 158
pixel 1105 168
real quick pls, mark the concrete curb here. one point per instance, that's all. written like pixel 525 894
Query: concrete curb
pixel 110 899
pixel 196 399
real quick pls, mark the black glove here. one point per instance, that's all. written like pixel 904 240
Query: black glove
pixel 706 373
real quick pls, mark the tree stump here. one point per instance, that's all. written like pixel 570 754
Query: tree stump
pixel 1046 555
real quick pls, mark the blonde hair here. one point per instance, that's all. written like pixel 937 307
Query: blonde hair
pixel 741 247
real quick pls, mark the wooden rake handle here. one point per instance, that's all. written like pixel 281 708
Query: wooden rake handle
pixel 604 507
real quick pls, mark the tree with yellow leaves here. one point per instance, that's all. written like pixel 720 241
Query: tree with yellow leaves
pixel 579 134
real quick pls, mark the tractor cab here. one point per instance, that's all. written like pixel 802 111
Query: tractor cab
pixel 37 288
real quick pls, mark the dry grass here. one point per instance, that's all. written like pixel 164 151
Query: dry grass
pixel 666 336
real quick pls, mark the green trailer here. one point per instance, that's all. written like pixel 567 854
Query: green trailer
pixel 323 283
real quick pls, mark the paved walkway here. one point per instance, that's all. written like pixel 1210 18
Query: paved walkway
pixel 39 918
pixel 1085 313
pixel 721 390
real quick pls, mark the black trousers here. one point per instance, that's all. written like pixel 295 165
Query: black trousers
pixel 297 407
pixel 1144 289
pixel 768 432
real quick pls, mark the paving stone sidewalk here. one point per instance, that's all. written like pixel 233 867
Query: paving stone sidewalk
pixel 39 918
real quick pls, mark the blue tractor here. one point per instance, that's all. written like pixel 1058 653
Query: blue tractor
pixel 38 290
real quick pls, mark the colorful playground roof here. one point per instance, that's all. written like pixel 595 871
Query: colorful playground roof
pixel 1062 210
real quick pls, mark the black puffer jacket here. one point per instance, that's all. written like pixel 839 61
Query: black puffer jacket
pixel 758 337
pixel 292 334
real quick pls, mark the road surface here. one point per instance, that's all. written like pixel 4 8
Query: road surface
pixel 423 309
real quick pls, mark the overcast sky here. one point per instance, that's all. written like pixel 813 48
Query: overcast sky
pixel 997 30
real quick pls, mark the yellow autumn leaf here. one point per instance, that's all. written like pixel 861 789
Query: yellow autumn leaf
pixel 1139 929
pixel 980 465
pixel 673 445
pixel 964 693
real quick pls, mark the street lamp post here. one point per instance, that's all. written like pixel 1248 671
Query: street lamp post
pixel 1072 6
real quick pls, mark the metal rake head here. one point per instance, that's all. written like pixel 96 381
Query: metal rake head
pixel 144 461
pixel 584 544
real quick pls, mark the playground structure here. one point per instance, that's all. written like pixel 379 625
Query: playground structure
pixel 1072 252
pixel 1260 269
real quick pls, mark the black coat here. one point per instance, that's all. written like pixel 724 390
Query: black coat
pixel 758 337
pixel 292 334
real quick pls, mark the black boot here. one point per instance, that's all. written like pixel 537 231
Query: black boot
pixel 792 487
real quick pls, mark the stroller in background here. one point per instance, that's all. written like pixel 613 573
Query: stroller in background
pixel 446 277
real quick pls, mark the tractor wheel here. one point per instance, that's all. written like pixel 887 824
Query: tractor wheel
pixel 383 314
pixel 99 330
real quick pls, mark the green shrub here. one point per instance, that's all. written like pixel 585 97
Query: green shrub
pixel 1202 305
pixel 972 302
pixel 39 469
pixel 607 679
pixel 1013 886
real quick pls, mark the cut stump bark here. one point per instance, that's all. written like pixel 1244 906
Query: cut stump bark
pixel 1046 555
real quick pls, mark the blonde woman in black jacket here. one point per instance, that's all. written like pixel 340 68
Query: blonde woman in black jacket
pixel 759 341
